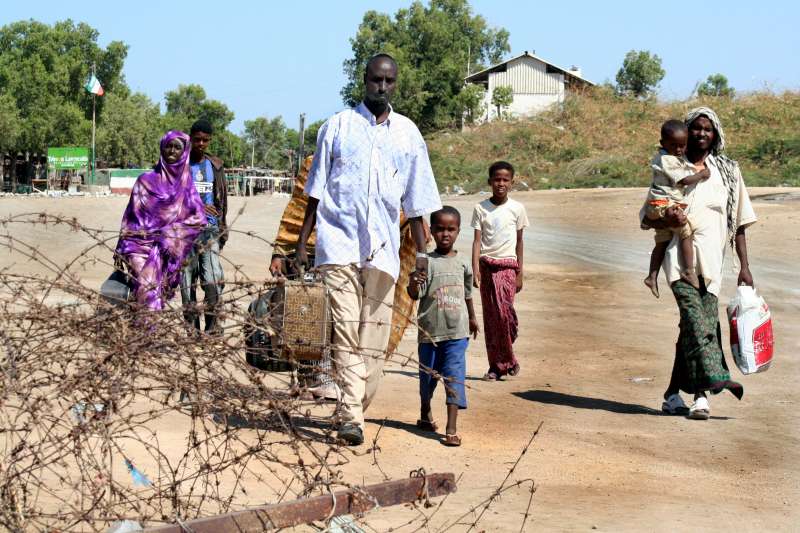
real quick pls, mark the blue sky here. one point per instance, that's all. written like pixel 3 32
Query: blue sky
pixel 283 58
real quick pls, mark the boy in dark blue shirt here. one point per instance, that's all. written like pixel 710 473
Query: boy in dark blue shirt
pixel 204 263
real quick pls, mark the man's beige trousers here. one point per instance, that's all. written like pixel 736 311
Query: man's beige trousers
pixel 361 310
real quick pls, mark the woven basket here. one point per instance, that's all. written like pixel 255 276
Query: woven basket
pixel 306 331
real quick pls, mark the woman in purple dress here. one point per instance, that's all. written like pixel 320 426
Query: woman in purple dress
pixel 163 217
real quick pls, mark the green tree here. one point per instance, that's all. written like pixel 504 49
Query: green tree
pixel 231 148
pixel 44 68
pixel 640 73
pixel 130 131
pixel 311 136
pixel 715 85
pixel 432 45
pixel 188 103
pixel 471 102
pixel 268 138
pixel 502 97
pixel 10 125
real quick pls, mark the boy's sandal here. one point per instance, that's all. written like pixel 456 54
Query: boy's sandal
pixel 514 370
pixel 491 375
pixel 427 425
pixel 451 440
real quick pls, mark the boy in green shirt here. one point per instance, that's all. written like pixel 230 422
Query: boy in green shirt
pixel 445 320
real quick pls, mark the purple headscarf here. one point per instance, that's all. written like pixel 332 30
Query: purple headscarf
pixel 164 216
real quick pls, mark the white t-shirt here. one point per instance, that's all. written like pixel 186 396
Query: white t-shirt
pixel 499 225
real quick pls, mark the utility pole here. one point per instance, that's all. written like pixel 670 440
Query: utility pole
pixel 94 99
pixel 302 137
pixel 469 60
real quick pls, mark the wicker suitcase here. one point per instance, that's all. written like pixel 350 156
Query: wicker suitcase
pixel 306 331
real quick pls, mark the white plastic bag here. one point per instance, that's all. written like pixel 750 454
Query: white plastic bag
pixel 751 331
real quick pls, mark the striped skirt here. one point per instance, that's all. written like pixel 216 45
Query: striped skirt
pixel 498 286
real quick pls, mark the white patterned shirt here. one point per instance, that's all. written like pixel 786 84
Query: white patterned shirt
pixel 363 174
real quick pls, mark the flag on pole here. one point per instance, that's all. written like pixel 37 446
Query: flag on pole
pixel 93 86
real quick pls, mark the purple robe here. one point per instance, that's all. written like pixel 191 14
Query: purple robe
pixel 164 216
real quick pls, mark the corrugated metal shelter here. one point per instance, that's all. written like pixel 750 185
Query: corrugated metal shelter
pixel 537 84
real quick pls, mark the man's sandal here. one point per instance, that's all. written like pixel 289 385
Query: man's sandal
pixel 427 425
pixel 514 370
pixel 451 440
pixel 491 375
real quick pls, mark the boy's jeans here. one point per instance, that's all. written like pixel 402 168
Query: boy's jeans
pixel 203 263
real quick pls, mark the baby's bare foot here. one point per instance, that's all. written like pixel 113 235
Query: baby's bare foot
pixel 652 282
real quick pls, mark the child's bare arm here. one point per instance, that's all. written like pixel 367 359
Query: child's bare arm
pixel 473 321
pixel 476 259
pixel 694 178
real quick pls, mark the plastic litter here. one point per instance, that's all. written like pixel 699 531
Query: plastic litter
pixel 139 478
pixel 344 524
pixel 79 410
pixel 125 526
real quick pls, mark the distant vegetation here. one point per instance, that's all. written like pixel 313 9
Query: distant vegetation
pixel 604 137
pixel 436 45
pixel 600 139
pixel 43 102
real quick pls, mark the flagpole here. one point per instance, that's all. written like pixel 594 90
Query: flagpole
pixel 94 97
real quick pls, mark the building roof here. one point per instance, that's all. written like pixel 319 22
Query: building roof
pixel 570 76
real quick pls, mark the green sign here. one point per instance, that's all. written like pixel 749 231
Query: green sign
pixel 68 158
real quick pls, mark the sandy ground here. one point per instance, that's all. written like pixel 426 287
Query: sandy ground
pixel 596 351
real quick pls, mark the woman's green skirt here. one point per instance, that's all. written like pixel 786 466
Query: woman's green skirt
pixel 699 361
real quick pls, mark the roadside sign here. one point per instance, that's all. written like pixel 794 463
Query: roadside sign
pixel 68 158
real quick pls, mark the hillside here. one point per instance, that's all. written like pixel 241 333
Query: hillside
pixel 599 139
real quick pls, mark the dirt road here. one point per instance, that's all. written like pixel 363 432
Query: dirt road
pixel 596 352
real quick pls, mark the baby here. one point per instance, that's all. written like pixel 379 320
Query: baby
pixel 672 174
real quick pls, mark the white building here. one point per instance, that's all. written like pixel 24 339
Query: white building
pixel 536 84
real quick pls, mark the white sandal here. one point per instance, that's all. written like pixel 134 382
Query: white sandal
pixel 700 409
pixel 674 405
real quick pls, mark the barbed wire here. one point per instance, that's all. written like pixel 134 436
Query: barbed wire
pixel 111 413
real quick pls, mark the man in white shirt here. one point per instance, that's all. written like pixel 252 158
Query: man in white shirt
pixel 370 163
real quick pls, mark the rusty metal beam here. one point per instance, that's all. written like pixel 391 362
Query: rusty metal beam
pixel 304 511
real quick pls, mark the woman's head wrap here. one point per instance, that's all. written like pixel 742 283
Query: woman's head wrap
pixel 170 172
pixel 719 135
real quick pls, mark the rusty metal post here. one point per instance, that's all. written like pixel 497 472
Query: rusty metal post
pixel 304 511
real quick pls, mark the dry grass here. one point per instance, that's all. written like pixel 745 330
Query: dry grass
pixel 600 139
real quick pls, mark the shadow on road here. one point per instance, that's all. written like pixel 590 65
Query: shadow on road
pixel 416 375
pixel 411 428
pixel 319 430
pixel 583 402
